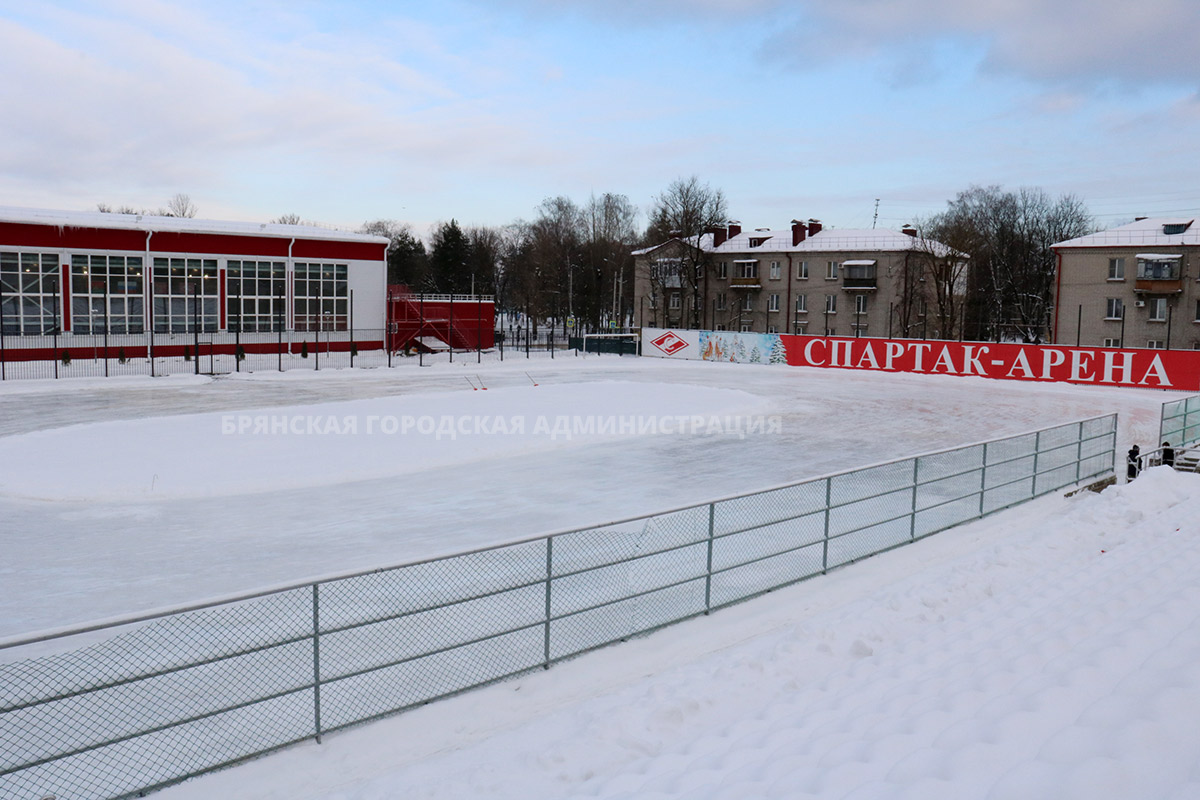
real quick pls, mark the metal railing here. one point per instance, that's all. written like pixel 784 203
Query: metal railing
pixel 168 696
pixel 1180 422
pixel 183 352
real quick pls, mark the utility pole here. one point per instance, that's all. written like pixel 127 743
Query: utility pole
pixel 876 219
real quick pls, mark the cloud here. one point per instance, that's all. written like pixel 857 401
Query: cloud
pixel 1085 43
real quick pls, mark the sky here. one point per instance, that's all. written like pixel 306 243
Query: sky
pixel 422 112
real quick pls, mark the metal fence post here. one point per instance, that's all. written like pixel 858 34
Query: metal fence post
pixel 825 547
pixel 316 660
pixel 1037 450
pixel 708 577
pixel 983 480
pixel 1079 452
pixel 549 577
pixel 912 518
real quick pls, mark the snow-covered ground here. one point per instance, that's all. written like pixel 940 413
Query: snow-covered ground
pixel 128 494
pixel 1049 651
pixel 1046 651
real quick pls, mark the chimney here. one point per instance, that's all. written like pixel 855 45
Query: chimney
pixel 735 228
pixel 799 232
pixel 814 227
pixel 719 234
pixel 909 230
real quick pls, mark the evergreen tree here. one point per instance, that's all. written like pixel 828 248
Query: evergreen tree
pixel 450 259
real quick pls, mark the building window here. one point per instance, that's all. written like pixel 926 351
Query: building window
pixel 721 304
pixel 1112 343
pixel 773 303
pixel 747 303
pixel 1158 309
pixel 799 328
pixel 802 271
pixel 1161 268
pixel 29 285
pixel 747 269
pixel 772 329
pixel 831 303
pixel 1115 308
pixel 831 331
pixel 745 327
pixel 775 270
pixel 722 269
pixel 116 279
pixel 1197 311
pixel 255 297
pixel 1116 269
pixel 321 297
pixel 178 284
pixel 860 304
pixel 721 326
pixel 676 303
pixel 1155 344
pixel 802 304
pixel 831 270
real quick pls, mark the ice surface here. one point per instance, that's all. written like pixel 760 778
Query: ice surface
pixel 80 553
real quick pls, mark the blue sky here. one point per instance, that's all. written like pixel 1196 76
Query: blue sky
pixel 478 110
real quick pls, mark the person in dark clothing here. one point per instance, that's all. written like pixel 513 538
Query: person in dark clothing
pixel 1133 462
pixel 1168 455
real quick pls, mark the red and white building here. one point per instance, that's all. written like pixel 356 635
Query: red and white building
pixel 76 273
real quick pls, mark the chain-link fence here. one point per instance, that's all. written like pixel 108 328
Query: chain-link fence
pixel 166 697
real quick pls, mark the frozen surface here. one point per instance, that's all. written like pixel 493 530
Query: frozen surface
pixel 91 532
pixel 1048 651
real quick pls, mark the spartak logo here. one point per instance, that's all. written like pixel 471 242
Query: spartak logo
pixel 669 343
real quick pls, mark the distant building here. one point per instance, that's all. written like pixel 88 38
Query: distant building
pixel 78 273
pixel 804 280
pixel 1135 285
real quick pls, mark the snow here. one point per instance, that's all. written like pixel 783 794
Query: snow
pixel 151 222
pixel 1046 651
pixel 213 523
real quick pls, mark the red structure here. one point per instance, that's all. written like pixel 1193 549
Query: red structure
pixel 439 321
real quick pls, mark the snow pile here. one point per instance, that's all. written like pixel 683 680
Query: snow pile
pixel 263 450
pixel 1048 651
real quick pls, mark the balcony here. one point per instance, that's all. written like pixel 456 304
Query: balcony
pixel 1158 273
pixel 1158 285
pixel 859 284
pixel 858 276
pixel 745 283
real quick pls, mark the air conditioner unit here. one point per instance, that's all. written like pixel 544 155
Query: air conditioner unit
pixel 1140 304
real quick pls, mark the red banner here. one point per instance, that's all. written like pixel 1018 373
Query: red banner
pixel 1154 369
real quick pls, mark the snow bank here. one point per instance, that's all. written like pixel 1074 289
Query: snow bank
pixel 232 453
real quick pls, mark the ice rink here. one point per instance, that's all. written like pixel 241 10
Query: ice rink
pixel 123 495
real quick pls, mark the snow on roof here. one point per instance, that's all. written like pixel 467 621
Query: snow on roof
pixel 151 222
pixel 1147 231
pixel 1158 257
pixel 828 240
pixel 860 262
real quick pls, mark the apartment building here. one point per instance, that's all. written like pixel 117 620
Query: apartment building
pixel 806 279
pixel 1133 286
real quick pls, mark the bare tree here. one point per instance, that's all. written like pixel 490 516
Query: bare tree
pixel 181 206
pixel 685 211
pixel 1008 237
pixel 287 219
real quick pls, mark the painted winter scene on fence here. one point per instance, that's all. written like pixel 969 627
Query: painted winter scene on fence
pixel 1046 650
